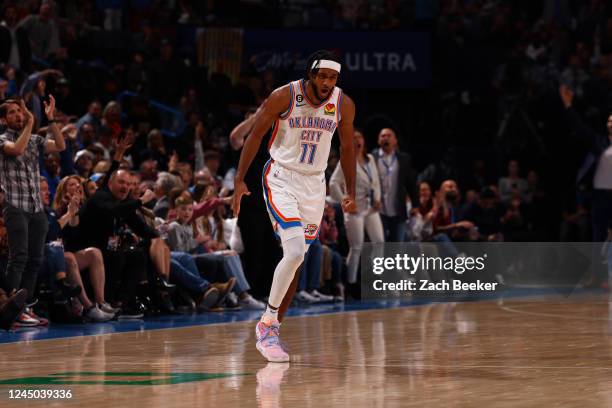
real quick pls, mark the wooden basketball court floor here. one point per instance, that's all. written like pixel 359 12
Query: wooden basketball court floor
pixel 532 352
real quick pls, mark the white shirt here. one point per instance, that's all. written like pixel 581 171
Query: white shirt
pixel 603 174
pixel 367 184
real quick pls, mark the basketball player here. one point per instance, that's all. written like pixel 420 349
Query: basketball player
pixel 304 115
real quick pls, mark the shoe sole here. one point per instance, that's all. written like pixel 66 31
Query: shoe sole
pixel 279 360
pixel 209 301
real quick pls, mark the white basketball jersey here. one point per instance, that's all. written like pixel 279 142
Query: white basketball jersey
pixel 301 137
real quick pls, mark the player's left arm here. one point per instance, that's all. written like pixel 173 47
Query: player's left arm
pixel 347 146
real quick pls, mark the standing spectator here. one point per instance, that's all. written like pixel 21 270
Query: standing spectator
pixel 14 42
pixel 24 215
pixel 397 185
pixel 512 186
pixel 42 32
pixel 367 197
pixel 599 160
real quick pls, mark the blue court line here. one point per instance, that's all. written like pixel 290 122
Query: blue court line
pixel 57 331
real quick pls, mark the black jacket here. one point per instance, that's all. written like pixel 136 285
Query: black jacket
pixel 23 42
pixel 597 143
pixel 103 214
pixel 406 181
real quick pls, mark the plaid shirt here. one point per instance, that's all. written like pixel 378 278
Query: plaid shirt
pixel 20 175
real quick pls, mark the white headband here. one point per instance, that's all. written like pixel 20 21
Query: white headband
pixel 318 64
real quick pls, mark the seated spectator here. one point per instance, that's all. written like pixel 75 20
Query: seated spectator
pixel 83 163
pixel 486 213
pixel 104 219
pixel 177 267
pixel 148 170
pixel 447 217
pixel 164 184
pixel 331 269
pixel 310 276
pixel 576 221
pixel 65 265
pixel 156 150
pixel 92 119
pixel 86 136
pixel 421 220
pixel 182 237
pixel 212 161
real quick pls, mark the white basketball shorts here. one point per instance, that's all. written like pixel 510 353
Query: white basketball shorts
pixel 293 199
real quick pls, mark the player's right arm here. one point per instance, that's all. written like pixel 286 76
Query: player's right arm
pixel 277 103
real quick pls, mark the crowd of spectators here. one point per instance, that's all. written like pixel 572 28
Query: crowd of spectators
pixel 137 207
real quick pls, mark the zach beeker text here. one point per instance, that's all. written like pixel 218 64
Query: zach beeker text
pixel 425 285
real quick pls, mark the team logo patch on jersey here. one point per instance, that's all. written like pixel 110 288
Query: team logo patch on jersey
pixel 330 109
pixel 310 229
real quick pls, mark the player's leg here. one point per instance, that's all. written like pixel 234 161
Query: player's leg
pixel 290 293
pixel 285 273
pixel 267 330
pixel 282 207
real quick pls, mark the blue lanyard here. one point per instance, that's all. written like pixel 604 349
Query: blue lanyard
pixel 389 167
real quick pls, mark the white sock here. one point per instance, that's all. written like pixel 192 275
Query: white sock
pixel 270 315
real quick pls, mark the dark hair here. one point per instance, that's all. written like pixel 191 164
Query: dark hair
pixel 319 55
pixel 5 105
pixel 183 201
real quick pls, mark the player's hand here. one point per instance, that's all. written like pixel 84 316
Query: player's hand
pixel 348 205
pixel 240 189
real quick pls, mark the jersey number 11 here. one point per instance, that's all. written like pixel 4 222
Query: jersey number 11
pixel 305 154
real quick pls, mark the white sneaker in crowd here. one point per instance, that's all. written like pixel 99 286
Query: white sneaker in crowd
pixel 25 320
pixel 106 308
pixel 305 297
pixel 321 297
pixel 250 303
pixel 96 315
